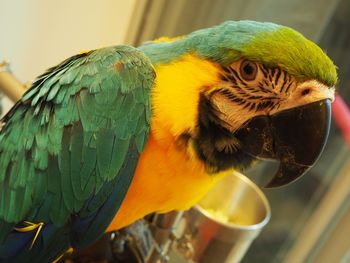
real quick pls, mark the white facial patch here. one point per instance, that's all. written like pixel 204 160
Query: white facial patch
pixel 238 99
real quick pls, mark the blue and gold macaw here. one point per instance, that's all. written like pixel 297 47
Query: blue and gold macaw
pixel 111 135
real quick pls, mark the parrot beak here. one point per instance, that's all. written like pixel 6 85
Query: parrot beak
pixel 295 137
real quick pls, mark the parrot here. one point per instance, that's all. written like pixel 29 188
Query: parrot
pixel 111 135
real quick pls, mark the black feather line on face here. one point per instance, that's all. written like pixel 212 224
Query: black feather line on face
pixel 212 141
pixel 264 71
pixel 278 74
pixel 273 86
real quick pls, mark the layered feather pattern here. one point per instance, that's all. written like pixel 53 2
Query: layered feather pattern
pixel 63 147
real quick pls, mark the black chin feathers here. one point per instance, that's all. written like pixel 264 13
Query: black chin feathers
pixel 214 144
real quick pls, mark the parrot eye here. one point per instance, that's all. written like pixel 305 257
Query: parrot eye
pixel 248 70
pixel 305 91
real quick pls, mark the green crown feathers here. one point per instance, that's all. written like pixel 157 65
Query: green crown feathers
pixel 267 43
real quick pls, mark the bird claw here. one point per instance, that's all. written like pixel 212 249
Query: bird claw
pixel 29 226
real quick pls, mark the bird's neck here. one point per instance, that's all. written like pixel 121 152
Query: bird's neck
pixel 176 94
pixel 169 174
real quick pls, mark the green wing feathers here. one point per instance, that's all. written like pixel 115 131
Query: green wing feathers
pixel 71 131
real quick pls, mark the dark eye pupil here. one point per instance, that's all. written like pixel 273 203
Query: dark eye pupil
pixel 248 69
pixel 305 92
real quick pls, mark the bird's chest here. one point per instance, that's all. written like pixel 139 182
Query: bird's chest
pixel 166 179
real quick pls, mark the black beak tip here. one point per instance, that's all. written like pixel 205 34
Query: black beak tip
pixel 295 137
pixel 300 145
pixel 287 174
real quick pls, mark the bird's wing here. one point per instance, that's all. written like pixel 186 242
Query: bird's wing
pixel 73 140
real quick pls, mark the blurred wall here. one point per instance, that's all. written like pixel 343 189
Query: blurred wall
pixel 38 34
pixel 178 17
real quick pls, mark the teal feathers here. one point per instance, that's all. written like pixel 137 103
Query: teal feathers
pixel 69 135
pixel 267 43
pixel 96 109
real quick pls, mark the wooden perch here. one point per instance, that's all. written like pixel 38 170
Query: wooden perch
pixel 9 84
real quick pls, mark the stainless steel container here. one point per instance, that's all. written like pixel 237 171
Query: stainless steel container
pixel 224 224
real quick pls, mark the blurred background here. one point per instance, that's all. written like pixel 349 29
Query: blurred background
pixel 310 218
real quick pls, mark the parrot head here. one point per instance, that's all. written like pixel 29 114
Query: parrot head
pixel 243 91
